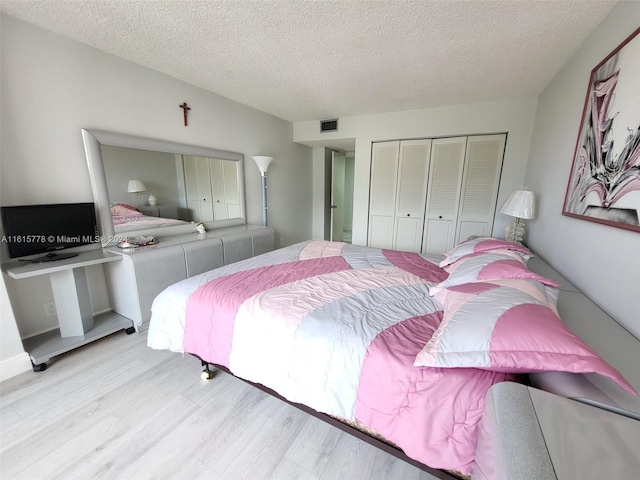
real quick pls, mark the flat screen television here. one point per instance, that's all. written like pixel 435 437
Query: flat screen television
pixel 35 229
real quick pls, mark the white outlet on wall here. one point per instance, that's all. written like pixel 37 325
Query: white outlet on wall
pixel 50 309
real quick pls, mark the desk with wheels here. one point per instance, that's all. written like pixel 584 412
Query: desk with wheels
pixel 77 324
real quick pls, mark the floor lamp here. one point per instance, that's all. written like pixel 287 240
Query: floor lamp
pixel 263 163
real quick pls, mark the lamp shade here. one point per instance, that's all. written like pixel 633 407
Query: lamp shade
pixel 520 204
pixel 136 186
pixel 262 162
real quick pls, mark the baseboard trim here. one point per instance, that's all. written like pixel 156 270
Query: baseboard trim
pixel 14 366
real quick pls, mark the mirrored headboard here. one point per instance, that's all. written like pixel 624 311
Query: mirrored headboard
pixel 189 183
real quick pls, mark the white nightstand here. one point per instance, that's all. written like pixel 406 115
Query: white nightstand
pixel 165 211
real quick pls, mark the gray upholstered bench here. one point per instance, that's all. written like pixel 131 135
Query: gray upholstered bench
pixel 529 434
pixel 145 272
pixel 567 426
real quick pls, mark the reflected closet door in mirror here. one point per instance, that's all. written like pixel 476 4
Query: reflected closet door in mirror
pixel 211 189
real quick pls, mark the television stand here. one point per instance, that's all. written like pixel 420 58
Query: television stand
pixel 78 325
pixel 53 257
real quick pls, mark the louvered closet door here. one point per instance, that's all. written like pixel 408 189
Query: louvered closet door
pixel 482 168
pixel 217 189
pixel 410 197
pixel 191 186
pixel 231 189
pixel 443 193
pixel 204 189
pixel 384 171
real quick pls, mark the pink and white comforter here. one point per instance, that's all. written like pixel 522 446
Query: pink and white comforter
pixel 336 327
pixel 129 222
pixel 127 218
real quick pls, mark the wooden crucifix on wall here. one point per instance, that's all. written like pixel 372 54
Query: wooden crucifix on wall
pixel 185 109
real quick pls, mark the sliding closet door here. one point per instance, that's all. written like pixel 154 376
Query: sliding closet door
pixel 382 201
pixel 480 181
pixel 410 194
pixel 443 193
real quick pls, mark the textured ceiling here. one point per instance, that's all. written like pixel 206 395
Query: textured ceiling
pixel 310 60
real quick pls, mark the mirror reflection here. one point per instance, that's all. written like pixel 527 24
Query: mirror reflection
pixel 141 185
pixel 150 189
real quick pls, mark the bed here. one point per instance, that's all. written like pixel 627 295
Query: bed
pixel 402 345
pixel 127 218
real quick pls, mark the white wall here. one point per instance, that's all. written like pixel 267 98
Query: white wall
pixel 13 358
pixel 348 194
pixel 516 117
pixel 157 170
pixel 52 87
pixel 602 261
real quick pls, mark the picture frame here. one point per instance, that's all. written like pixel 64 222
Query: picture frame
pixel 604 181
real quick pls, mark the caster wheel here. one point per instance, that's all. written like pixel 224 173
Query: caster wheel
pixel 129 330
pixel 41 367
pixel 206 375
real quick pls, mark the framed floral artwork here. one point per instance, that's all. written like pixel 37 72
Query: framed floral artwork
pixel 604 183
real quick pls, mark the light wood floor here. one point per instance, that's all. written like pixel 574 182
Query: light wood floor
pixel 117 409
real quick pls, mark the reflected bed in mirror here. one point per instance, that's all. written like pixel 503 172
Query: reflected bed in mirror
pixel 144 186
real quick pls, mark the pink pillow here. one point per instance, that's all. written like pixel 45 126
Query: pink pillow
pixel 490 265
pixel 482 244
pixel 508 325
pixel 120 208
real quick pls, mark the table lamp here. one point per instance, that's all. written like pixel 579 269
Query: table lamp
pixel 521 205
pixel 135 187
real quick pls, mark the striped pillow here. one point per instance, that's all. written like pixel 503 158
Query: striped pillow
pixel 490 265
pixel 482 244
pixel 509 325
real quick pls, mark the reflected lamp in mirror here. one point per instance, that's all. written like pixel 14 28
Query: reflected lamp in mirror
pixel 135 187
pixel 263 163
pixel 520 205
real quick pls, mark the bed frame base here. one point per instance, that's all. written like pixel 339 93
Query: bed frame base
pixel 207 374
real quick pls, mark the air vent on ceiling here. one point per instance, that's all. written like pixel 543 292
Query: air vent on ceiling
pixel 329 125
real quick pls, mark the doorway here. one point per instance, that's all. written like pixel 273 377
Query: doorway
pixel 341 198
